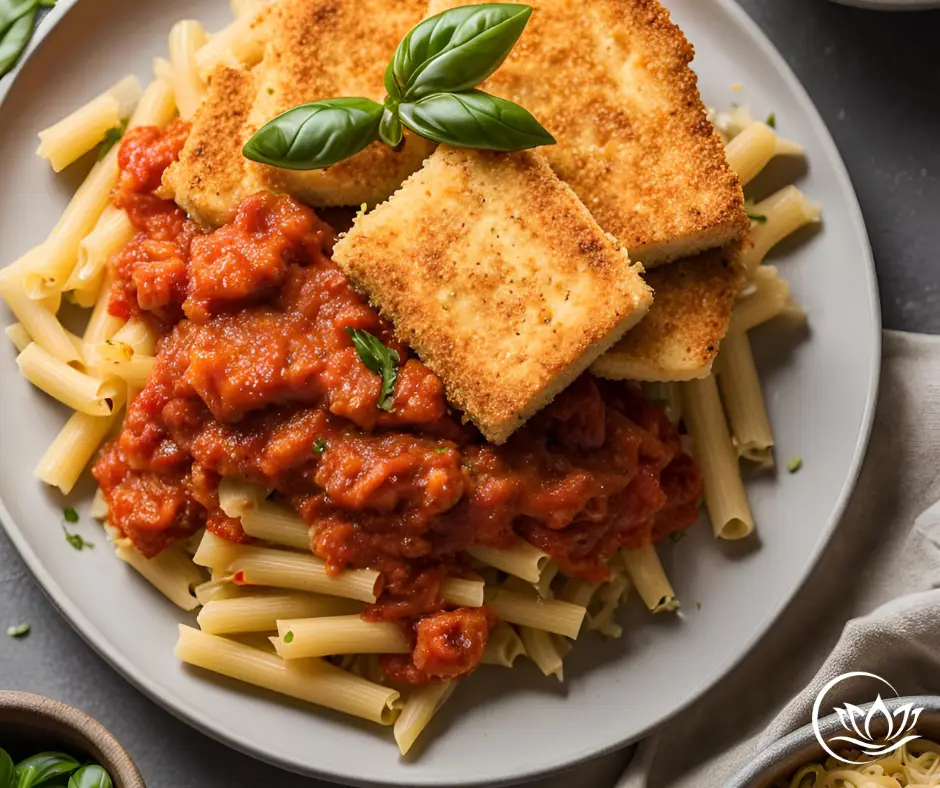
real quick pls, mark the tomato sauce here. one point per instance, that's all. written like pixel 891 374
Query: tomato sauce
pixel 257 378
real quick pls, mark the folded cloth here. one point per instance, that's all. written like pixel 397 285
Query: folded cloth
pixel 877 574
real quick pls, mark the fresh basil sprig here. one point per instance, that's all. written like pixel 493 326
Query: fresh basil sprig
pixel 474 119
pixel 379 359
pixel 316 135
pixel 454 50
pixel 17 18
pixel 430 82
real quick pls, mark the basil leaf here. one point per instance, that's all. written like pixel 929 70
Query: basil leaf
pixel 316 135
pixel 90 776
pixel 474 119
pixel 390 128
pixel 455 50
pixel 36 769
pixel 111 138
pixel 14 39
pixel 6 769
pixel 378 359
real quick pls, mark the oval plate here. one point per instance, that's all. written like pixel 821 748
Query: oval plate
pixel 502 725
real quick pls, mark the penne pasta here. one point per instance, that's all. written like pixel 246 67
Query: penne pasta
pixel 767 299
pixel 724 491
pixel 110 235
pixel 158 105
pixel 503 646
pixel 521 559
pixel 42 327
pixel 186 38
pixel 751 150
pixel 577 591
pixel 544 586
pixel 262 566
pixel 134 371
pixel 239 45
pixel 546 650
pixel 79 391
pixel 609 598
pixel 314 681
pixel 783 213
pixel 74 136
pixel 551 615
pixel 461 592
pixel 743 400
pixel 171 572
pixel 18 335
pixel 71 451
pixel 299 638
pixel 99 506
pixel 133 338
pixel 420 707
pixel 260 611
pixel 59 255
pixel 646 572
pixel 276 524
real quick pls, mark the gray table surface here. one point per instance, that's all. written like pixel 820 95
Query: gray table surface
pixel 875 78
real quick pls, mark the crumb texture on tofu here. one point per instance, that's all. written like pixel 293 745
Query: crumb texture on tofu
pixel 610 79
pixel 497 275
pixel 679 337
pixel 316 49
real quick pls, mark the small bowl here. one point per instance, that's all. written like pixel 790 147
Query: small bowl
pixel 782 759
pixel 32 723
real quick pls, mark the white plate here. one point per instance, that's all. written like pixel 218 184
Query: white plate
pixel 501 725
pixel 892 5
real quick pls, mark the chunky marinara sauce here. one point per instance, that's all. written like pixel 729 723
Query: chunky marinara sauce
pixel 255 371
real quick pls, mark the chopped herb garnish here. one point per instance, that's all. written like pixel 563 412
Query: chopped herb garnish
pixel 111 138
pixel 77 541
pixel 677 536
pixel 698 605
pixel 772 120
pixel 18 631
pixel 756 217
pixel 440 450
pixel 319 446
pixel 379 359
pixel 794 464
pixel 70 515
pixel 288 637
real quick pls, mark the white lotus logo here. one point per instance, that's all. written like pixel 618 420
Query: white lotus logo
pixel 863 727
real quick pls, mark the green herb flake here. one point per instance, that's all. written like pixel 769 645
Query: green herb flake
pixel 794 464
pixel 76 540
pixel 379 359
pixel 70 515
pixel 440 450
pixel 18 630
pixel 319 446
pixel 111 138
pixel 288 637
pixel 772 120
pixel 756 217
pixel 677 536
pixel 698 605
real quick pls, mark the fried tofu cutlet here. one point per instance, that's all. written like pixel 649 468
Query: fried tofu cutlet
pixel 497 275
pixel 316 49
pixel 679 337
pixel 610 79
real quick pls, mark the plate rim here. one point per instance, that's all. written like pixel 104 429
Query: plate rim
pixel 175 705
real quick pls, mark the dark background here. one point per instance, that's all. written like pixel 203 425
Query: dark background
pixel 875 78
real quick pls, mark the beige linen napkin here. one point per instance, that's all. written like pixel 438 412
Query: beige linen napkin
pixel 877 575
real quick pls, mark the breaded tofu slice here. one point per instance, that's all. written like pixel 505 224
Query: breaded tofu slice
pixel 679 337
pixel 497 275
pixel 610 79
pixel 316 49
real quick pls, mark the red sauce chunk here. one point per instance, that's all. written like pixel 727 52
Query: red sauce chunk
pixel 256 378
